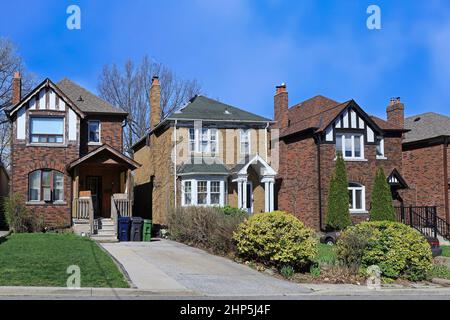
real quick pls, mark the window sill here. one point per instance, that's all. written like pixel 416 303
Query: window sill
pixel 359 212
pixel 353 160
pixel 381 158
pixel 47 145
pixel 43 203
pixel 94 143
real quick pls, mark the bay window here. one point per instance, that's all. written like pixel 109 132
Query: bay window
pixel 357 197
pixel 46 186
pixel 203 192
pixel 47 130
pixel 350 145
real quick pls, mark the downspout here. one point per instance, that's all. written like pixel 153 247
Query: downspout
pixel 265 142
pixel 175 164
pixel 319 184
pixel 446 190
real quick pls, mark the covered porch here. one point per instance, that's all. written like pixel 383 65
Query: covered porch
pixel 101 190
pixel 255 182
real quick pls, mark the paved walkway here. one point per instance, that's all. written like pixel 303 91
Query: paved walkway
pixel 3 233
pixel 170 266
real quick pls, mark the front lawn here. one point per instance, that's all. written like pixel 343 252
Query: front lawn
pixel 446 251
pixel 43 259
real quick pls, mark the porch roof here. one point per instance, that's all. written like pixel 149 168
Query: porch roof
pixel 202 166
pixel 111 154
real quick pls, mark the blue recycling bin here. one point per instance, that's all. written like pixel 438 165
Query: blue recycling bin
pixel 124 229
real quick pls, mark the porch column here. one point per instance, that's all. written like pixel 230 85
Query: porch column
pixel 242 192
pixel 75 192
pixel 267 196
pixel 272 197
pixel 239 194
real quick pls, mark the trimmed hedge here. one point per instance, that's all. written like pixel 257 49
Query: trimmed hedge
pixel 276 239
pixel 397 249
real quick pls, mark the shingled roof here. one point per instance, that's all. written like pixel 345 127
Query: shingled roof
pixel 318 112
pixel 426 126
pixel 203 108
pixel 86 101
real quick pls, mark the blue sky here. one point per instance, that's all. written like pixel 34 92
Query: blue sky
pixel 240 50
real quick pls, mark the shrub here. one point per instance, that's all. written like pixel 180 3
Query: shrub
pixel 230 211
pixel 19 218
pixel 382 204
pixel 398 250
pixel 205 227
pixel 287 272
pixel 338 213
pixel 276 239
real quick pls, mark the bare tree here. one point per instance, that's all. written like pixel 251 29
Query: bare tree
pixel 10 62
pixel 129 89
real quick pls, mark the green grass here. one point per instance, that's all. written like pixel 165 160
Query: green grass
pixel 327 254
pixel 446 251
pixel 439 271
pixel 43 259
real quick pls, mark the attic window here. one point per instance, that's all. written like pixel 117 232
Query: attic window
pixel 226 111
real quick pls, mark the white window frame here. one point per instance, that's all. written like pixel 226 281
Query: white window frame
pixel 381 139
pixel 99 133
pixel 249 139
pixel 194 191
pixel 198 140
pixel 343 137
pixel 30 133
pixel 353 190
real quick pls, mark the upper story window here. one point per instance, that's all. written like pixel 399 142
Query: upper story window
pixel 380 147
pixel 245 141
pixel 47 130
pixel 350 145
pixel 357 196
pixel 203 140
pixel 46 185
pixel 94 131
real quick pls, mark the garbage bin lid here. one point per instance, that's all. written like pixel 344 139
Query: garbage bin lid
pixel 124 219
pixel 147 221
pixel 137 219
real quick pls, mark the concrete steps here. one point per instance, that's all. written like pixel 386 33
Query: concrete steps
pixel 106 231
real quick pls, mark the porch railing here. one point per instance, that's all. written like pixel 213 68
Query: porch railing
pixel 121 204
pixel 85 211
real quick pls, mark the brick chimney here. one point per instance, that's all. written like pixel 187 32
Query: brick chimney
pixel 17 88
pixel 281 106
pixel 396 112
pixel 155 103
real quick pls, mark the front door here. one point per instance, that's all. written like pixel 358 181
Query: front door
pixel 249 197
pixel 94 185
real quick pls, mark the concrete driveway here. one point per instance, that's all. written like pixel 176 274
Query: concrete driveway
pixel 167 266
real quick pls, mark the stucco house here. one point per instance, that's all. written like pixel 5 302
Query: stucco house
pixel 206 154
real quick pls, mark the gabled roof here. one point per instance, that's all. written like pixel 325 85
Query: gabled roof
pixel 88 102
pixel 319 112
pixel 203 108
pixel 108 149
pixel 426 126
pixel 395 179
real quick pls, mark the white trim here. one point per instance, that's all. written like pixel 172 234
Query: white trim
pixel 383 156
pixel 343 137
pixel 361 188
pixel 194 191
pixel 248 131
pixel 255 159
pixel 99 142
pixel 198 139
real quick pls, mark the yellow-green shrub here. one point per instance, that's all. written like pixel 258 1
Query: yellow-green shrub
pixel 397 249
pixel 277 239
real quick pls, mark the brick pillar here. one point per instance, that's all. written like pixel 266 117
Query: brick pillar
pixel 155 103
pixel 17 88
pixel 281 107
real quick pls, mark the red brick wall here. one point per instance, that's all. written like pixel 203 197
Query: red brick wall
pixel 111 133
pixel 298 179
pixel 425 173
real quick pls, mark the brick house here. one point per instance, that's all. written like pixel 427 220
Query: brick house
pixel 206 154
pixel 426 157
pixel 67 161
pixel 312 132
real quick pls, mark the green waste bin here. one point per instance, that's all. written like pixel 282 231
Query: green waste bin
pixel 147 230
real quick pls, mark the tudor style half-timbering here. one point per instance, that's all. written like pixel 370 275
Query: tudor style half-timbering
pixel 67 160
pixel 311 135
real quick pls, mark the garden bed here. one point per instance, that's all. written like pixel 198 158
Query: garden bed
pixel 43 259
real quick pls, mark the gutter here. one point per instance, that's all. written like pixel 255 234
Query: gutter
pixel 446 193
pixel 175 163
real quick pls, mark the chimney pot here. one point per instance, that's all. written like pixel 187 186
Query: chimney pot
pixel 155 81
pixel 281 88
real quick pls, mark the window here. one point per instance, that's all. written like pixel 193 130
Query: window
pixel 351 146
pixel 380 147
pixel 203 192
pixel 94 131
pixel 46 185
pixel 46 130
pixel 245 142
pixel 203 140
pixel 357 196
